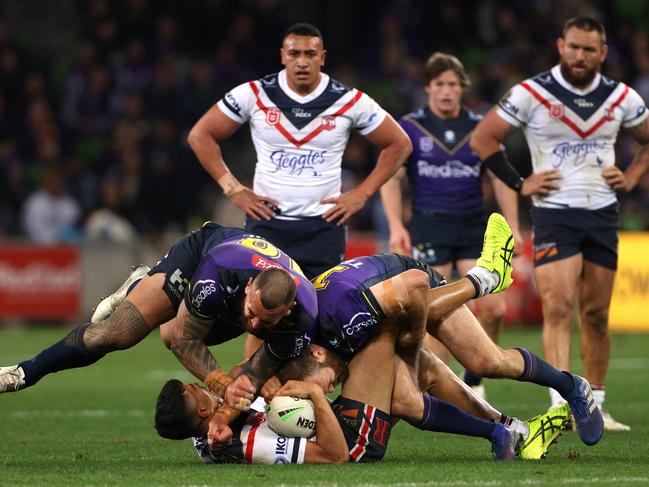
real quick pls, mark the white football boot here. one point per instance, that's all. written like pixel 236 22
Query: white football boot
pixel 108 305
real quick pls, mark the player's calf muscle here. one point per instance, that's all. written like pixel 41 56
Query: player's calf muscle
pixel 121 330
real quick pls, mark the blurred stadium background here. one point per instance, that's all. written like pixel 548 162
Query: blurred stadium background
pixel 97 97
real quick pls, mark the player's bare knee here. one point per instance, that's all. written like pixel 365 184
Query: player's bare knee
pixel 121 330
pixel 596 319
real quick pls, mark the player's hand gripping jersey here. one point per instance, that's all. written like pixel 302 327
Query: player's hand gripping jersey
pixel 217 292
pixel 574 131
pixel 300 139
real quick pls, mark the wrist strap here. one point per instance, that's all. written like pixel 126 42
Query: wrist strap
pixel 500 166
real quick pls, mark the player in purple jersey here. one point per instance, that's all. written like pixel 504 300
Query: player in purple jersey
pixel 395 292
pixel 571 116
pixel 356 296
pixel 378 385
pixel 446 175
pixel 220 282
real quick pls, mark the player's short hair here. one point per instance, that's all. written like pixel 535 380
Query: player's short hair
pixel 303 366
pixel 588 24
pixel 276 288
pixel 303 29
pixel 172 420
pixel 439 62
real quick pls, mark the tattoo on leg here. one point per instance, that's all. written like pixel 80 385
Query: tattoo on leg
pixel 121 330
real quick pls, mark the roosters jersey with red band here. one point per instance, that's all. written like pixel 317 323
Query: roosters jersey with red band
pixel 574 131
pixel 300 140
pixel 217 291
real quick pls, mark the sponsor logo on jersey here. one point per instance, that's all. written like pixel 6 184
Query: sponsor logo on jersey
pixel 509 107
pixel 328 123
pixel 583 103
pixel 337 87
pixel 548 249
pixel 359 322
pixel 203 289
pixel 269 81
pixel 450 169
pixel 426 144
pixel 557 110
pixel 296 164
pixel 300 113
pixel 177 283
pixel 261 263
pixel 231 100
pixel 272 116
pixel 281 445
pixel 577 151
pixel 280 460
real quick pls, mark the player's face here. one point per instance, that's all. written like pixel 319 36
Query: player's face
pixel 303 57
pixel 330 372
pixel 581 55
pixel 445 94
pixel 201 404
pixel 256 317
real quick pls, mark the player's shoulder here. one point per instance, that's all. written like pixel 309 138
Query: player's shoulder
pixel 471 116
pixel 416 115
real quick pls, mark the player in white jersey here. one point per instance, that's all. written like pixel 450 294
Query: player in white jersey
pixel 300 120
pixel 571 116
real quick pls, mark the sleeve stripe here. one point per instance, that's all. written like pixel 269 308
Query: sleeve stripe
pixel 502 107
pixel 227 104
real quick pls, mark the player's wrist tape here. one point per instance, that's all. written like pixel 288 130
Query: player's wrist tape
pixel 500 166
pixel 228 413
pixel 217 381
pixel 229 184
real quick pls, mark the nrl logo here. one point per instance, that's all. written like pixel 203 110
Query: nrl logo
pixel 273 116
pixel 328 123
pixel 557 111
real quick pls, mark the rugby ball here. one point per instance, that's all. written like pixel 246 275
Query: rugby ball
pixel 291 417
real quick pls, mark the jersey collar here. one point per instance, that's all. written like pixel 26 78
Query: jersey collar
pixel 556 73
pixel 283 84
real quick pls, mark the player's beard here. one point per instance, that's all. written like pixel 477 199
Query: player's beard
pixel 579 81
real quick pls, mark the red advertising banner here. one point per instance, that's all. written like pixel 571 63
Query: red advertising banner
pixel 39 282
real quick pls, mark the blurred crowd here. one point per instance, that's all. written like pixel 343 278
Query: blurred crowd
pixel 96 103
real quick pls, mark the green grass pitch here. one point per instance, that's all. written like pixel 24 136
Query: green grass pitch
pixel 94 426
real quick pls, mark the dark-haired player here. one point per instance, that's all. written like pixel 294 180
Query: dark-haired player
pixel 571 116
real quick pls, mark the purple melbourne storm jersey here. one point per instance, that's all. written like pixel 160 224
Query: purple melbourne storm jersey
pixel 443 170
pixel 217 291
pixel 348 313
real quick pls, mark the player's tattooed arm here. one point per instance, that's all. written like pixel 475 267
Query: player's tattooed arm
pixel 261 366
pixel 188 344
pixel 640 132
pixel 627 180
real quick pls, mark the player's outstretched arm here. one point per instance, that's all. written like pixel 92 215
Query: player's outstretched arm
pixel 395 147
pixel 330 445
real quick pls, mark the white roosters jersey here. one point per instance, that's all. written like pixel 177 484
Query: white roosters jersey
pixel 300 140
pixel 574 131
pixel 254 442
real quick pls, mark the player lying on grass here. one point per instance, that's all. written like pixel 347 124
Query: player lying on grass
pixel 355 297
pixel 231 282
pixel 355 428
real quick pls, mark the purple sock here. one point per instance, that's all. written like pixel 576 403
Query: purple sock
pixel 540 372
pixel 445 417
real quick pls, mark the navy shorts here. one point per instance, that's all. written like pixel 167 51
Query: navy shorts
pixel 182 259
pixel 366 429
pixel 316 245
pixel 442 238
pixel 562 233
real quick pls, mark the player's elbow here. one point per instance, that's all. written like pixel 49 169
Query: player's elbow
pixel 339 457
pixel 405 146
pixel 196 135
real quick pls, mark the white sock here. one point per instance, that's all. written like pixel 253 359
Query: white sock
pixel 599 395
pixel 487 280
pixel 555 399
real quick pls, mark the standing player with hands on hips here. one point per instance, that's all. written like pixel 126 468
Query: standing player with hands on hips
pixel 571 116
pixel 300 120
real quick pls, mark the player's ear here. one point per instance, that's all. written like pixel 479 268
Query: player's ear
pixel 323 58
pixel 204 412
pixel 290 308
pixel 248 285
pixel 560 43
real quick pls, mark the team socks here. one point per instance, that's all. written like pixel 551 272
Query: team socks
pixel 445 417
pixel 471 379
pixel 67 353
pixel 540 372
